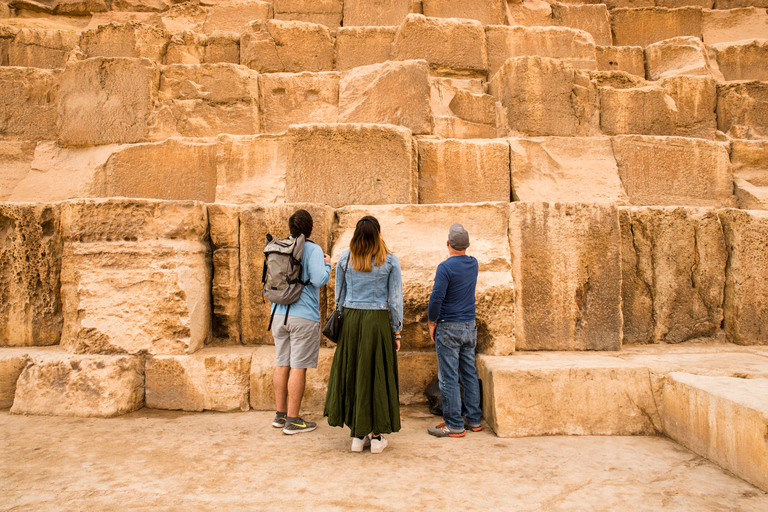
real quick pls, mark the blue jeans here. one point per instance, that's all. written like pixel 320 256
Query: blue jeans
pixel 455 344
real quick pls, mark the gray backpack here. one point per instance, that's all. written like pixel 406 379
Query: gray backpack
pixel 282 272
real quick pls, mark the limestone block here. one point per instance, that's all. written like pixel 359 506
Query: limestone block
pixel 28 103
pixel 491 12
pixel 461 109
pixel 672 300
pixel 70 8
pixel 749 159
pixel 746 282
pixel 641 27
pixel 140 5
pixel 206 100
pixel 15 164
pixel 450 46
pixel 321 157
pixel 12 362
pixel 571 46
pixel 417 235
pixel 734 25
pixel 543 96
pixel 106 100
pixel 534 395
pixel 742 109
pixel 223 47
pixel 136 277
pixel 744 60
pixel 130 39
pixel 416 370
pixel 292 46
pixel 323 12
pixel 679 56
pixel 41 48
pixel 213 379
pixel 630 59
pixel 463 171
pixel 145 18
pixel 476 108
pixel 224 225
pixel 695 99
pixel 750 196
pixel 192 48
pixel 30 273
pixel 721 418
pixel 735 4
pixel 255 223
pixel 298 98
pixel 233 17
pixel 187 16
pixel 562 169
pixel 362 46
pixel 631 4
pixel 387 13
pixel 529 13
pixel 251 169
pixel 61 384
pixel 593 19
pixel 395 93
pixel 647 110
pixel 660 171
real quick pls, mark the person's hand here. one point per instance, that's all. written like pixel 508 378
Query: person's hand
pixel 397 341
pixel 327 258
pixel 432 326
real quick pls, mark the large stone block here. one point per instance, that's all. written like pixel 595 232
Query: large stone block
pixel 491 12
pixel 629 59
pixel 12 363
pixel 224 226
pixel 720 26
pixel 461 109
pixel 593 19
pixel 288 98
pixel 672 300
pixel 323 12
pixel 744 60
pixel 742 109
pixel 448 166
pixel 130 39
pixel 41 48
pixel 695 101
pixel 641 27
pixel 213 379
pixel 450 46
pixel 140 5
pixel 251 169
pixel 645 110
pixel 736 4
pixel 571 46
pixel 417 235
pixel 721 418
pixel 60 384
pixel 566 265
pixel 746 280
pixel 563 169
pixel 387 13
pixel 192 48
pixel 362 46
pixel 749 159
pixel 543 96
pixel 30 274
pixel 106 100
pixel 15 164
pixel 136 277
pixel 529 13
pixel 395 93
pixel 233 17
pixel 28 105
pixel 292 46
pixel 323 157
pixel 750 196
pixel 660 171
pixel 679 56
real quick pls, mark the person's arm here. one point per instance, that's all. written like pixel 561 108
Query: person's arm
pixel 318 268
pixel 340 293
pixel 395 291
pixel 436 299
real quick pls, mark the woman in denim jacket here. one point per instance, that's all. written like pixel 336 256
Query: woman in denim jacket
pixel 363 385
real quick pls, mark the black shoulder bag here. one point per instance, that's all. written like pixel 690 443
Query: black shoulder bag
pixel 332 328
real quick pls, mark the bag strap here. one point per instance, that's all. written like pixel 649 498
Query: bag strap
pixel 344 282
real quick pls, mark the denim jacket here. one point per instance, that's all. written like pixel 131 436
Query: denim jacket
pixel 381 288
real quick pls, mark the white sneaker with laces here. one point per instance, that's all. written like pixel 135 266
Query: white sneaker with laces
pixel 359 444
pixel 377 446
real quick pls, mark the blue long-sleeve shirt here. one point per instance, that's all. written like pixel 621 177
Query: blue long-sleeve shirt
pixel 453 294
pixel 318 272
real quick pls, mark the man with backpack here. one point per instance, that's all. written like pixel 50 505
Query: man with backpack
pixel 295 324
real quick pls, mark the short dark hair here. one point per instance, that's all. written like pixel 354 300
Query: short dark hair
pixel 300 223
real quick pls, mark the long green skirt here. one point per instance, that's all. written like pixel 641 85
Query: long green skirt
pixel 363 388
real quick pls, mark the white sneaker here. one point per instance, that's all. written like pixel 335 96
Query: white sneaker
pixel 359 444
pixel 377 446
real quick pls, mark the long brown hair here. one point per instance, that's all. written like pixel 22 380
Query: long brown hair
pixel 367 243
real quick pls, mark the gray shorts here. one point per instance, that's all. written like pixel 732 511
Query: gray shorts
pixel 297 343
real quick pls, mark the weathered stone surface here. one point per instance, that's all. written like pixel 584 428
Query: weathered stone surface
pixel 224 225
pixel 323 12
pixel 695 100
pixel 193 48
pixel 562 169
pixel 417 235
pixel 140 5
pixel 207 100
pixel 641 27
pixel 145 18
pixel 255 223
pixel 28 103
pixel 721 418
pixel 529 13
pixel 593 19
pixel 223 47
pixel 447 166
pixel 288 98
pixel 213 379
pixel 571 46
pixel 251 169
pixel 12 362
pixel 742 109
pixel 233 17
pixel 15 164
pixel 61 384
pixel 130 39
pixel 750 196
pixel 543 96
pixel 749 159
pixel 135 277
pixel 387 13
pixel 292 46
pixel 735 4
pixel 734 25
pixel 30 274
pixel 323 156
pixel 744 60
pixel 187 16
pixel 461 109
pixel 746 281
pixel 40 48
pixel 491 12
pixel 106 100
pixel 672 299
pixel 362 46
pixel 679 56
pixel 630 59
pixel 59 7
pixel 660 171
pixel 450 46
pixel 395 93
pixel 475 108
pixel 645 110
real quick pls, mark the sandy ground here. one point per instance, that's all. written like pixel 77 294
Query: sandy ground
pixel 161 460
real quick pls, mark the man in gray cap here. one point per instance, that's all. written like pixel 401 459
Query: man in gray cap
pixel 452 327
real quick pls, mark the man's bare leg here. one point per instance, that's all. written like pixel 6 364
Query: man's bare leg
pixel 280 383
pixel 296 382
